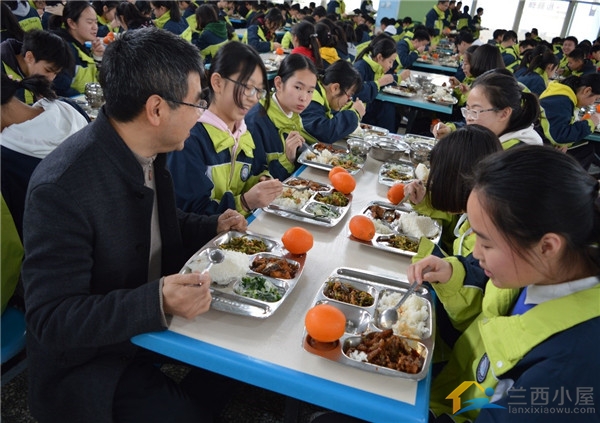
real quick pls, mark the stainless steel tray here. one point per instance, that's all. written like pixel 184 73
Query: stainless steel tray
pixel 339 154
pixel 362 320
pixel 365 130
pixel 399 91
pixel 410 138
pixel 307 208
pixel 380 240
pixel 406 173
pixel 224 296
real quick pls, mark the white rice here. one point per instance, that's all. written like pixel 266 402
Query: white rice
pixel 381 228
pixel 422 172
pixel 416 226
pixel 413 316
pixel 293 199
pixel 358 355
pixel 235 266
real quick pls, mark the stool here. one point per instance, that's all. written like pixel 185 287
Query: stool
pixel 13 333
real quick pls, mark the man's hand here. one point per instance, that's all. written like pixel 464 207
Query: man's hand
pixel 231 220
pixel 186 295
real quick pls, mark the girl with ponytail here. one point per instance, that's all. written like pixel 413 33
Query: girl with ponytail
pixel 305 41
pixel 541 69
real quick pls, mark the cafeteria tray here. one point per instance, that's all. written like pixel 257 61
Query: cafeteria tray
pixel 405 172
pixel 361 320
pixel 224 297
pixel 364 130
pixel 437 100
pixel 410 138
pixel 307 208
pixel 399 90
pixel 336 156
pixel 380 240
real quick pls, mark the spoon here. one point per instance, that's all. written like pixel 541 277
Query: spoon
pixel 215 256
pixel 388 318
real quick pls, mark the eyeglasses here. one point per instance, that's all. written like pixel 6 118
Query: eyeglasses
pixel 249 91
pixel 474 114
pixel 202 104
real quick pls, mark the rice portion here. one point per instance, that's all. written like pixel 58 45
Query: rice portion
pixel 416 226
pixel 293 199
pixel 358 355
pixel 234 266
pixel 413 316
pixel 382 228
pixel 422 172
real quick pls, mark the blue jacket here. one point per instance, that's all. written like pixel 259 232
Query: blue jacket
pixel 214 33
pixel 327 125
pixel 204 181
pixel 87 241
pixel 534 82
pixel 406 53
pixel 255 36
pixel 370 88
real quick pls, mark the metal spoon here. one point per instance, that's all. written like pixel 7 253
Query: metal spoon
pixel 215 256
pixel 388 318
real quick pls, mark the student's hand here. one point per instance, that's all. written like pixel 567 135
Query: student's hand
pixel 595 117
pixel 231 220
pixel 454 82
pixel 415 191
pixel 261 194
pixel 386 79
pixel 440 130
pixel 276 46
pixel 292 143
pixel 446 31
pixel 98 47
pixel 186 295
pixel 359 106
pixel 421 49
pixel 430 269
pixel 404 75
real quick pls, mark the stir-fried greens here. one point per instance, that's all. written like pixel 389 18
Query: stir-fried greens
pixel 258 288
pixel 245 245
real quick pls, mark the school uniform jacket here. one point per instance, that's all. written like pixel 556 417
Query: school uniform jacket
pixel 407 54
pixel 255 36
pixel 87 243
pixel 86 70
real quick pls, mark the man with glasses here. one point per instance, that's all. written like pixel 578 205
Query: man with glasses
pixel 104 245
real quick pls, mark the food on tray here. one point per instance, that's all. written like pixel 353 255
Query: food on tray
pixel 382 213
pixel 258 288
pixel 297 240
pixel 275 267
pixel 416 226
pixel 306 183
pixel 325 323
pixel 396 193
pixel 347 161
pixel 245 245
pixel 343 182
pixel 422 172
pixel 323 210
pixel 362 227
pixel 406 91
pixel 340 291
pixel 387 350
pixel 293 199
pixel 413 315
pixel 234 266
pixel 403 243
pixel 336 198
pixel 372 129
pixel 398 173
pixel 442 95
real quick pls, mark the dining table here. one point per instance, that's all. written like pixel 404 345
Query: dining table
pixel 434 66
pixel 268 352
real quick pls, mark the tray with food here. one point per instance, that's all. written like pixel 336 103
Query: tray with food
pixel 394 172
pixel 326 156
pixel 364 130
pixel 398 228
pixel 404 350
pixel 256 275
pixel 401 90
pixel 310 202
pixel 443 96
pixel 410 138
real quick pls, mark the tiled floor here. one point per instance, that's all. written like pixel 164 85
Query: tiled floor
pixel 250 405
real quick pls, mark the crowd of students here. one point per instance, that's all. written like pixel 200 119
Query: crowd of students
pixel 211 168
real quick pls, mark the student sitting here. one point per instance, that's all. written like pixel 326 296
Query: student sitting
pixel 410 50
pixel 542 67
pixel 578 64
pixel 305 42
pixel 261 31
pixel 168 16
pixel 211 32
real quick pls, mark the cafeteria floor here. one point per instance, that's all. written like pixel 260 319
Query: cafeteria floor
pixel 249 405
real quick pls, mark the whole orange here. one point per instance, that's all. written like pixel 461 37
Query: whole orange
pixel 325 323
pixel 396 193
pixel 343 182
pixel 362 227
pixel 297 240
pixel 336 169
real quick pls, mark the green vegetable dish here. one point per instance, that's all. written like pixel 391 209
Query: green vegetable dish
pixel 245 245
pixel 258 288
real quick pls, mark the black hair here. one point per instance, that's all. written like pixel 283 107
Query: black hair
pixel 98 5
pixel 502 90
pixel 457 154
pixel 528 43
pixel 595 48
pixel 205 14
pixel 324 35
pixel 510 35
pixel 464 36
pixel 572 39
pixel 50 47
pixel 577 54
pixel 274 15
pixel 307 37
pixel 73 11
pixel 172 6
pixel 421 35
pixel 541 57
pixel 591 80
pixel 39 85
pixel 407 20
pixel 168 61
pixel 485 58
pixel 236 57
pixel 130 15
pixel 319 11
pixel 557 40
pixel 382 44
pixel 498 33
pixel 293 63
pixel 552 181
pixel 343 73
pixel 10 24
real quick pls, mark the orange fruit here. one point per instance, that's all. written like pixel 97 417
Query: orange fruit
pixel 325 323
pixel 336 169
pixel 297 240
pixel 279 51
pixel 362 227
pixel 396 193
pixel 343 182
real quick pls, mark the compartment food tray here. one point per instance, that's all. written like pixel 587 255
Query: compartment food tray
pixel 309 158
pixel 405 170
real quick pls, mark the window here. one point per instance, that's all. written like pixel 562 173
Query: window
pixel 496 15
pixel 547 16
pixel 586 21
